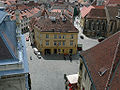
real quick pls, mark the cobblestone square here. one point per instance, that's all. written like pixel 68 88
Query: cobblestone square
pixel 48 72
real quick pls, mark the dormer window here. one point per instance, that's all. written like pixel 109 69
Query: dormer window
pixel 102 71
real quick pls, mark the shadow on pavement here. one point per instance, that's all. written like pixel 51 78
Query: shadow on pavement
pixel 59 57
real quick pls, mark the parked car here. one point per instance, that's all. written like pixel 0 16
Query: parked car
pixel 82 37
pixel 39 55
pixel 35 50
pixel 27 38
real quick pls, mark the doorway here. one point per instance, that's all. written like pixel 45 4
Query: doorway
pixel 71 51
pixel 55 51
pixel 47 51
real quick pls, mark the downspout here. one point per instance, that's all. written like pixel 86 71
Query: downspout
pixel 88 71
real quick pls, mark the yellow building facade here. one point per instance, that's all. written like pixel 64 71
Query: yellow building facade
pixel 56 42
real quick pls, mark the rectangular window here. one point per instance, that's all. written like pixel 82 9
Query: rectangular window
pixel 55 36
pixel 59 36
pixel 58 50
pixel 63 50
pixel 47 43
pixel 71 43
pixel 59 43
pixel 64 36
pixel 40 42
pixel 40 35
pixel 111 27
pixel 55 43
pixel 63 43
pixel 72 36
pixel 47 35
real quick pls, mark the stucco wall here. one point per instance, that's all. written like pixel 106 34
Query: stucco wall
pixel 41 37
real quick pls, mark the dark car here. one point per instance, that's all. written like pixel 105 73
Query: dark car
pixel 101 39
pixel 82 37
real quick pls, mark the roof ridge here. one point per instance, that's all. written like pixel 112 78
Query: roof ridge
pixel 113 65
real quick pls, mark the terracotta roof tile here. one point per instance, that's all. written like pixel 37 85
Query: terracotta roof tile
pixel 99 7
pixel 46 25
pixel 109 2
pixel 112 11
pixel 24 12
pixel 102 55
pixel 85 10
pixel 97 13
pixel 115 84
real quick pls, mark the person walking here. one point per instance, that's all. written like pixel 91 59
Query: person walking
pixel 70 57
pixel 30 57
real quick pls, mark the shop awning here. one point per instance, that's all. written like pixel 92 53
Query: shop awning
pixel 73 79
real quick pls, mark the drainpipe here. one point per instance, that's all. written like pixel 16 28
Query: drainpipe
pixel 88 71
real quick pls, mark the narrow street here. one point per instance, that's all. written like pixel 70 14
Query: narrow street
pixel 87 42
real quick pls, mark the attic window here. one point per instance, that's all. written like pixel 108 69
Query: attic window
pixel 102 71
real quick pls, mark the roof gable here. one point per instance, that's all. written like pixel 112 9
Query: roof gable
pixel 112 11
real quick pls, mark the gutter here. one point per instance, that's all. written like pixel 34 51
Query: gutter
pixel 84 61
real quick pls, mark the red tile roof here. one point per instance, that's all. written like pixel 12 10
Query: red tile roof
pixel 112 11
pixel 115 85
pixel 56 10
pixel 85 11
pixel 24 12
pixel 103 55
pixel 99 7
pixel 47 25
pixel 111 2
pixel 97 14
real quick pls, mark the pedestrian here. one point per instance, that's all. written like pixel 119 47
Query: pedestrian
pixel 64 58
pixel 30 57
pixel 70 57
pixel 29 81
